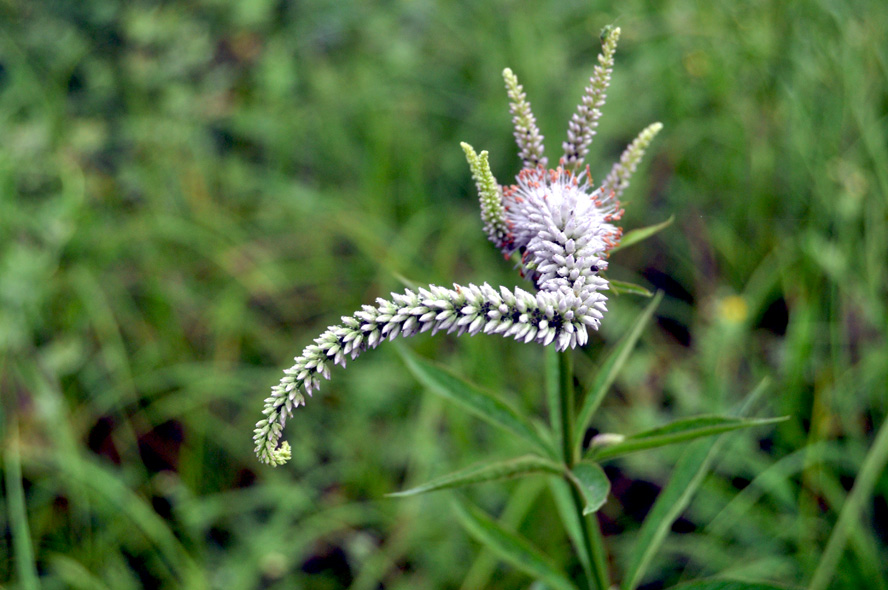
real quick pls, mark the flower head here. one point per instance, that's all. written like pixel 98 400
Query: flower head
pixel 555 220
pixel 561 225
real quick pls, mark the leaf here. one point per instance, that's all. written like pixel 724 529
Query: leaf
pixel 527 465
pixel 481 403
pixel 686 477
pixel 592 483
pixel 727 585
pixel 612 365
pixel 520 503
pixel 511 547
pixel 25 565
pixel 621 287
pixel 679 431
pixel 642 233
pixel 872 467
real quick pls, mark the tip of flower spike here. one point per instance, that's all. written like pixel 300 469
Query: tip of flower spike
pixel 618 178
pixel 281 455
pixel 608 32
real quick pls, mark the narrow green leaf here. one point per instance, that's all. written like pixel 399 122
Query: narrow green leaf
pixel 621 287
pixel 109 489
pixel 592 483
pixel 511 547
pixel 727 585
pixel 520 503
pixel 870 470
pixel 612 365
pixel 686 477
pixel 482 403
pixel 22 543
pixel 520 466
pixel 642 233
pixel 678 431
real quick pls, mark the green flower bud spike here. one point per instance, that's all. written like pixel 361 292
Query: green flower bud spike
pixel 581 128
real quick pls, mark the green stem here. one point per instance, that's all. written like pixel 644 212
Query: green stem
pixel 592 544
pixel 568 407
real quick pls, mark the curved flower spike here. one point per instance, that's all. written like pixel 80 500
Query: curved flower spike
pixel 560 225
pixel 544 317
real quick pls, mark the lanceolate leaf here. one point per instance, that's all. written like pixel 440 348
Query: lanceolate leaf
pixel 686 477
pixel 621 287
pixel 527 465
pixel 592 484
pixel 612 365
pixel 511 547
pixel 481 403
pixel 873 465
pixel 642 233
pixel 678 431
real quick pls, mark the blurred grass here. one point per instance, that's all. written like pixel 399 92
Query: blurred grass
pixel 190 192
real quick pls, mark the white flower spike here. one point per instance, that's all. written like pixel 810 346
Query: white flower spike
pixel 559 224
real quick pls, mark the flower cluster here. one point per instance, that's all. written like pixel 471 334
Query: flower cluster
pixel 561 227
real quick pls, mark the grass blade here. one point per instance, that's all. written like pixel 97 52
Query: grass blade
pixel 872 467
pixel 612 365
pixel 111 491
pixel 679 431
pixel 511 547
pixel 686 477
pixel 482 403
pixel 518 467
pixel 520 503
pixel 18 515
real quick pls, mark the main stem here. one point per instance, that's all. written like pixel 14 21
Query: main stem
pixel 593 546
pixel 568 407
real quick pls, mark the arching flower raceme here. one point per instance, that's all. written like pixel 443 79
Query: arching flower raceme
pixel 560 225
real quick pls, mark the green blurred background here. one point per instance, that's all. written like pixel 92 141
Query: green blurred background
pixel 191 191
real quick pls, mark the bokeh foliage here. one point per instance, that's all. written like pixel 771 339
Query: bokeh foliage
pixel 191 191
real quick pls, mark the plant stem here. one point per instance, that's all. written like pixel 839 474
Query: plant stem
pixel 592 544
pixel 568 407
